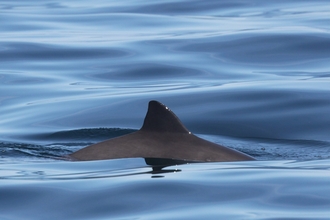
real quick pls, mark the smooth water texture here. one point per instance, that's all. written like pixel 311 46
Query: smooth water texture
pixel 250 75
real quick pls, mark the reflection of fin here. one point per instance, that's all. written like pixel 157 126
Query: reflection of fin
pixel 161 136
pixel 164 162
pixel 158 164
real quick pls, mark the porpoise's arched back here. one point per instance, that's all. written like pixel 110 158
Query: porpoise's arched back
pixel 162 136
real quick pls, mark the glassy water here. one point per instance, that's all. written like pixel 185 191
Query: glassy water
pixel 250 75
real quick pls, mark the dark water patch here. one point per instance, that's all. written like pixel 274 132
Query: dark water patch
pixel 149 72
pixel 38 51
pixel 266 49
pixel 193 7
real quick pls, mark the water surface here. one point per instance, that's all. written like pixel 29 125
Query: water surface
pixel 253 76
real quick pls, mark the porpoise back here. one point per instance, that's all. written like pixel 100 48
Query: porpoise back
pixel 161 136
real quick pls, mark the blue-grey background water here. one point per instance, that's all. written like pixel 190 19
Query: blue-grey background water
pixel 251 75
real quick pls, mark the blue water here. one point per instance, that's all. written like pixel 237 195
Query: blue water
pixel 250 75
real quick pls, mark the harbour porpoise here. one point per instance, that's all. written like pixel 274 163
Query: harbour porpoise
pixel 162 136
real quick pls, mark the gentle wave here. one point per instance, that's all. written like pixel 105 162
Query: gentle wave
pixel 249 190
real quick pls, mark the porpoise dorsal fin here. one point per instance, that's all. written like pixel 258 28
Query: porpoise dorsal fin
pixel 162 140
pixel 160 118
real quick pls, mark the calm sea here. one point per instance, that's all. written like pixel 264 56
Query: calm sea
pixel 251 75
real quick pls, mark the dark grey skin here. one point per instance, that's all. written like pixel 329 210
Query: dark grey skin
pixel 161 136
